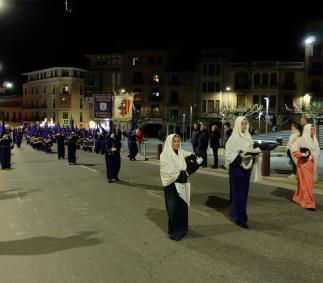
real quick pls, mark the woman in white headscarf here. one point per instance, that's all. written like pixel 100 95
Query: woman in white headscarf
pixel 176 186
pixel 240 165
pixel 306 152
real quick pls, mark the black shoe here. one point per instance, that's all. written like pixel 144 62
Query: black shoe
pixel 116 178
pixel 312 209
pixel 109 181
pixel 214 167
pixel 242 225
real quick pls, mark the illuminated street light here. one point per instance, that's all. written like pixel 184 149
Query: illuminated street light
pixel 309 40
pixel 8 85
pixel 267 108
pixel 259 117
pixel 228 88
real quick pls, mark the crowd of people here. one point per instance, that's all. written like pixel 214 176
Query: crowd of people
pixel 242 160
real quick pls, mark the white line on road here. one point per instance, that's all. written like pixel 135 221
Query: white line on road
pixel 89 168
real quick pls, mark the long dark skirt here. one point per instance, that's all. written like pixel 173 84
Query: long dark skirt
pixel 71 154
pixel 133 150
pixel 239 188
pixel 113 163
pixel 177 213
pixel 97 146
pixel 60 150
pixel 5 157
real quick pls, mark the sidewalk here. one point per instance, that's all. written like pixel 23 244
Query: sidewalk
pixel 279 164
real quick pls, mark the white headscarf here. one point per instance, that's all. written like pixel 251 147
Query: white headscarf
pixel 170 166
pixel 311 143
pixel 237 141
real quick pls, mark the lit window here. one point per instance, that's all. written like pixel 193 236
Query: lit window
pixel 156 78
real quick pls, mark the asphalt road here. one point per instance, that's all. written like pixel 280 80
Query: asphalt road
pixel 65 223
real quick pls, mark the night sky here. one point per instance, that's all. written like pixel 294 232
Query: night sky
pixel 40 33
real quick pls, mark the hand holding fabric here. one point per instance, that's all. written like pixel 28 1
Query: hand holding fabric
pixel 182 178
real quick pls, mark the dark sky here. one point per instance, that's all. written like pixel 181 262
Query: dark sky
pixel 40 33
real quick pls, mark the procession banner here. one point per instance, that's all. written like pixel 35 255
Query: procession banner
pixel 123 105
pixel 102 106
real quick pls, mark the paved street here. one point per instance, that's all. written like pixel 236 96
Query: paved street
pixel 63 223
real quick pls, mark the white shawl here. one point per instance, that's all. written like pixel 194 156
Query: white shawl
pixel 237 141
pixel 170 166
pixel 312 144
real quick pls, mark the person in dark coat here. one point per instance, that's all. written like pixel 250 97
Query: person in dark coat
pixel 203 143
pixel 215 144
pixel 19 138
pixel 60 138
pixel 71 148
pixel 195 133
pixel 5 152
pixel 112 155
pixel 132 142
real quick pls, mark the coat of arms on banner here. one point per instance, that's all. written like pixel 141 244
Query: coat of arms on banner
pixel 103 106
pixel 124 107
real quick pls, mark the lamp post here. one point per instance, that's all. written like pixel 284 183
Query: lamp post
pixel 183 127
pixel 259 118
pixel 191 115
pixel 267 108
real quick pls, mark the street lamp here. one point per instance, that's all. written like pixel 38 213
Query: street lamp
pixel 310 40
pixel 8 85
pixel 228 88
pixel 191 115
pixel 259 117
pixel 183 127
pixel 267 108
pixel 306 99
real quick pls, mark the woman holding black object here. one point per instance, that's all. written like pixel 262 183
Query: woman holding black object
pixel 239 154
pixel 177 188
pixel 306 151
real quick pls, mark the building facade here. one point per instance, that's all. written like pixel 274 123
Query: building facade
pixel 56 94
pixel 11 109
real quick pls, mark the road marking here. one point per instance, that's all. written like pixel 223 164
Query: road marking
pixel 89 168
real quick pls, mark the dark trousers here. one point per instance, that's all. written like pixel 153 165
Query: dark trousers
pixel 177 213
pixel 292 161
pixel 215 156
pixel 203 153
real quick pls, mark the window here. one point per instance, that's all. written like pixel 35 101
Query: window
pixel 159 60
pixel 118 78
pixel 54 117
pixel 175 79
pixel 316 86
pixel 288 100
pixel 217 106
pixel 203 106
pixel 54 103
pixel 273 79
pixel 255 99
pixel 25 91
pixel 174 113
pixel 14 116
pixel 256 79
pixel 32 90
pixel 265 79
pixel 113 79
pixel 155 94
pixel 241 99
pixel 156 78
pixel 317 50
pixel 81 117
pixel 210 106
pixel 217 87
pixel 174 97
pixel 218 69
pixel 65 73
pixel 65 115
pixel 54 89
pixel 137 90
pixel 211 69
pixel 81 90
pixel 204 87
pixel 210 87
pixel 81 103
pixel 272 101
pixel 204 69
pixel 36 90
pixel 65 89
pixel 44 89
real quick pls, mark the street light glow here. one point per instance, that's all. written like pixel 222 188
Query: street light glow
pixel 228 88
pixel 8 85
pixel 309 40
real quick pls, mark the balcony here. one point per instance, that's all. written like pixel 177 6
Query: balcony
pixel 64 101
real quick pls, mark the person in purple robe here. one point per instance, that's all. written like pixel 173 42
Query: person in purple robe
pixel 240 163
pixel 112 155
